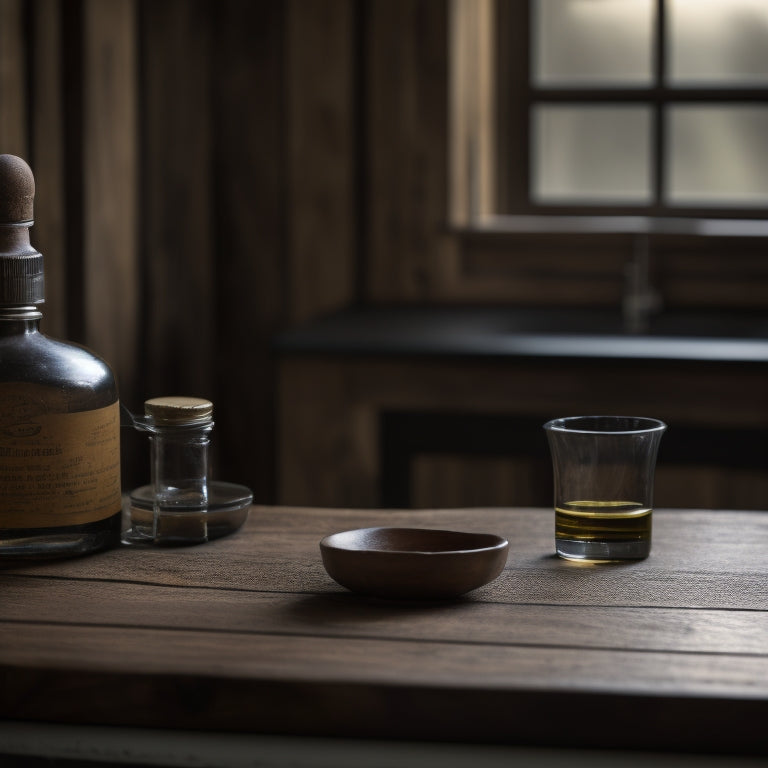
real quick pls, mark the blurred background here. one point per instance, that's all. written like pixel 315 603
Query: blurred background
pixel 217 177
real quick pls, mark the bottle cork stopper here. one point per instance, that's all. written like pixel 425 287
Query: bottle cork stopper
pixel 17 191
pixel 178 410
pixel 22 279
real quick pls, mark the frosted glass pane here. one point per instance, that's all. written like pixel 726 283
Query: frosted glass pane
pixel 592 42
pixel 717 155
pixel 591 154
pixel 718 42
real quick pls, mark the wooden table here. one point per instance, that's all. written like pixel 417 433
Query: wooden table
pixel 248 635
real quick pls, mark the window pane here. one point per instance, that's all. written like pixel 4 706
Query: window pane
pixel 592 42
pixel 717 42
pixel 718 155
pixel 591 154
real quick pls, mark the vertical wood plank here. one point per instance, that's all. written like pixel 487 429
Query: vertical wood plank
pixel 175 210
pixel 13 80
pixel 321 155
pixel 408 244
pixel 328 443
pixel 109 185
pixel 441 481
pixel 48 157
pixel 248 197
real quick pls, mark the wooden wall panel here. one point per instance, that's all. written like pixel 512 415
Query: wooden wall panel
pixel 408 247
pixel 331 410
pixel 13 79
pixel 248 253
pixel 31 127
pixel 47 158
pixel 176 237
pixel 322 75
pixel 444 481
pixel 439 481
pixel 328 441
pixel 110 177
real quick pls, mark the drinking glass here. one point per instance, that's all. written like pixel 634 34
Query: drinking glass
pixel 604 469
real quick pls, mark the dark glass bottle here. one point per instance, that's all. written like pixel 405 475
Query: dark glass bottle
pixel 59 411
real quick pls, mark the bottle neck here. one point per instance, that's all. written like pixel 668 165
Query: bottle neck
pixel 14 240
pixel 15 320
pixel 22 277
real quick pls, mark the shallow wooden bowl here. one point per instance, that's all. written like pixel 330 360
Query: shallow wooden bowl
pixel 413 563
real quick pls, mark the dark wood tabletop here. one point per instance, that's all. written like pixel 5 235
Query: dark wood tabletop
pixel 249 634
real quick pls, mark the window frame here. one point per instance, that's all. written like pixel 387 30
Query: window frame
pixel 515 96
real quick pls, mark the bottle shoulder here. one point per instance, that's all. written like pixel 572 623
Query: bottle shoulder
pixel 34 358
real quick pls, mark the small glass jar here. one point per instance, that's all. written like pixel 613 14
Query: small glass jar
pixel 181 505
pixel 179 434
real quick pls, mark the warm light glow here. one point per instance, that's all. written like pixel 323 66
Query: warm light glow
pixel 718 155
pixel 592 154
pixel 718 42
pixel 578 42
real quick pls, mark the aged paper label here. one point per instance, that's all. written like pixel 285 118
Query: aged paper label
pixel 57 468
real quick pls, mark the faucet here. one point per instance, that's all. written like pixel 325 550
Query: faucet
pixel 641 300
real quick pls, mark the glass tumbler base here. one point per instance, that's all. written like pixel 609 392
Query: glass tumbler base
pixel 602 551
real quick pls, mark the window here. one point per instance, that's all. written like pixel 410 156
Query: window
pixel 644 107
pixel 588 137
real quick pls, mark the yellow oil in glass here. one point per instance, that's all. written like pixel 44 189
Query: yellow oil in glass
pixel 603 530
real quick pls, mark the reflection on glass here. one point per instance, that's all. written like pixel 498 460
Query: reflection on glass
pixel 592 42
pixel 591 154
pixel 718 42
pixel 717 155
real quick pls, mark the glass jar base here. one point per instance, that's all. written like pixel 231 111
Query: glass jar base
pixel 226 511
pixel 602 551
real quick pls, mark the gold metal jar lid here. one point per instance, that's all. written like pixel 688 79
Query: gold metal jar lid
pixel 178 411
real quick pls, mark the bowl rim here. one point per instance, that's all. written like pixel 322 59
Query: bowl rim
pixel 497 542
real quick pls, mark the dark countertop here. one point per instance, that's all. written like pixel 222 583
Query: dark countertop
pixel 507 332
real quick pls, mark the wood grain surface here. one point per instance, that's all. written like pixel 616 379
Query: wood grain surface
pixel 250 634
